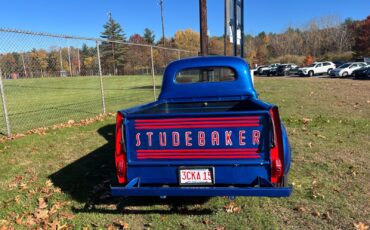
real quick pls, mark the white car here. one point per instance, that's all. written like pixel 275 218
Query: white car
pixel 317 68
pixel 347 69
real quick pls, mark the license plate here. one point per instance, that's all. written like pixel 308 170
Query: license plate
pixel 196 176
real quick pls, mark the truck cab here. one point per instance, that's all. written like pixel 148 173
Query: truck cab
pixel 208 134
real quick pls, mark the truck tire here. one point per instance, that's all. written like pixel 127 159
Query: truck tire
pixel 310 73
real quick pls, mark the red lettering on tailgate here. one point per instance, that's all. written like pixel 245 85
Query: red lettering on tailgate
pixel 188 138
pixel 162 138
pixel 149 134
pixel 215 138
pixel 138 142
pixel 201 138
pixel 256 137
pixel 175 139
pixel 228 138
pixel 241 137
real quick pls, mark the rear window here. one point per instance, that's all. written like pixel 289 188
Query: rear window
pixel 208 74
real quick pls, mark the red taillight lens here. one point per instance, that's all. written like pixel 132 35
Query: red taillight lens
pixel 277 151
pixel 120 154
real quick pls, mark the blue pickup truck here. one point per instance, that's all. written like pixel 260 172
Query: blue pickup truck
pixel 208 134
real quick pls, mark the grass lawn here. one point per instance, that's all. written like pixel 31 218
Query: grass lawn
pixel 39 102
pixel 62 178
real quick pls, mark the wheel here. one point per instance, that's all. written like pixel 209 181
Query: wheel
pixel 285 73
pixel 310 73
pixel 268 74
pixel 345 74
pixel 329 71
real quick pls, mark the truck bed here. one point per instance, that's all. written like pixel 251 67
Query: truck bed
pixel 205 106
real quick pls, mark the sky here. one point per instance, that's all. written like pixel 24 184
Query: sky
pixel 86 17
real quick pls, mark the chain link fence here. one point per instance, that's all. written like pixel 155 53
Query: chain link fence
pixel 47 79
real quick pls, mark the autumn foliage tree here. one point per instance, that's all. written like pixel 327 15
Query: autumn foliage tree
pixel 362 38
pixel 308 60
pixel 187 39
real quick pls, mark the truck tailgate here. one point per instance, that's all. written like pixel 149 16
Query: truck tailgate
pixel 236 146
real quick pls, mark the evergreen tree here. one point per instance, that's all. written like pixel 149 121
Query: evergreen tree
pixel 149 36
pixel 112 53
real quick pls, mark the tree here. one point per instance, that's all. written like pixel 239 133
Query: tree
pixel 138 56
pixel 362 38
pixel 149 36
pixel 7 64
pixel 187 39
pixel 39 60
pixel 113 53
pixel 308 60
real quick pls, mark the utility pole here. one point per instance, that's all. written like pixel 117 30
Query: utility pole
pixel 203 27
pixel 225 27
pixel 235 27
pixel 242 28
pixel 161 5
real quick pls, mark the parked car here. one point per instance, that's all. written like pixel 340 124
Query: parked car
pixel 208 134
pixel 346 69
pixel 259 70
pixel 272 69
pixel 338 63
pixel 316 69
pixel 362 73
pixel 286 69
pixel 265 70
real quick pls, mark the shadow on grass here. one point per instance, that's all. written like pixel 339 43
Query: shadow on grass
pixel 88 179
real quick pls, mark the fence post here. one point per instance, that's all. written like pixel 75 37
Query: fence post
pixel 5 108
pixel 61 62
pixel 101 77
pixel 24 65
pixel 69 60
pixel 79 63
pixel 153 77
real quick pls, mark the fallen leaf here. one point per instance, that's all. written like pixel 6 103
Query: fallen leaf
pixel 30 221
pixel 41 214
pixel 18 220
pixel 316 213
pixel 66 215
pixel 17 199
pixel 326 216
pixel 42 203
pixel 300 209
pixel 205 221
pixel 361 226
pixel 232 208
pixel 56 225
pixel 320 136
pixel 49 183
pixel 306 120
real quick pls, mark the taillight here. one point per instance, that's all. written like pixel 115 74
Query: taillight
pixel 276 151
pixel 120 151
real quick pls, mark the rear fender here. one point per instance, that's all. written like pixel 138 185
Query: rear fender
pixel 287 150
